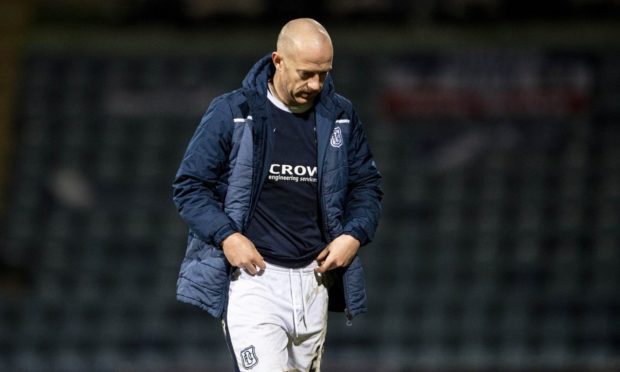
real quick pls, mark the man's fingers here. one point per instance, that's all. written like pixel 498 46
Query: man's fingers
pixel 261 264
pixel 322 255
pixel 321 259
pixel 257 264
pixel 250 269
pixel 325 266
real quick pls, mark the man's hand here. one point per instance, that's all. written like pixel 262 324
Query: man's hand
pixel 338 253
pixel 241 252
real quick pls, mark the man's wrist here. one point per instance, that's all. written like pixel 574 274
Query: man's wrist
pixel 355 235
pixel 223 234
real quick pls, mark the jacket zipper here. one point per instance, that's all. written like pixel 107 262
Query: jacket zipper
pixel 260 180
pixel 348 316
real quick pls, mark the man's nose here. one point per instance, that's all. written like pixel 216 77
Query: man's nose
pixel 315 83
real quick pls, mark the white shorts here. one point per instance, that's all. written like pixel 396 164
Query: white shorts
pixel 277 320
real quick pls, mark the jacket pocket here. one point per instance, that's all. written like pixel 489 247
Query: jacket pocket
pixel 204 281
pixel 354 288
pixel 347 291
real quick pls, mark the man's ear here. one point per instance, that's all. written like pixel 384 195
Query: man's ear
pixel 277 60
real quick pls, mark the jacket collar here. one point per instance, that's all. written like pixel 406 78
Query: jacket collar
pixel 256 81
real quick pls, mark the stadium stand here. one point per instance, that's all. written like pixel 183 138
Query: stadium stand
pixel 497 250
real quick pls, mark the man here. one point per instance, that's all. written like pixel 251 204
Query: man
pixel 279 190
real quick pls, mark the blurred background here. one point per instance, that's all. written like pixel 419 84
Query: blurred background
pixel 495 124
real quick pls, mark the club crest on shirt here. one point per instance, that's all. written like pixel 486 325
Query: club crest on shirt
pixel 336 140
pixel 248 357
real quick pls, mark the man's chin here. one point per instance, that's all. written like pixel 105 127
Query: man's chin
pixel 301 107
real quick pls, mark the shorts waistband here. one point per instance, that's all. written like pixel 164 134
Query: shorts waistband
pixel 281 269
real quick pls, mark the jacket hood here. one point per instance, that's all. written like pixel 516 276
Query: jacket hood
pixel 263 70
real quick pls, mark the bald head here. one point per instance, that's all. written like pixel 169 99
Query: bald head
pixel 302 61
pixel 303 34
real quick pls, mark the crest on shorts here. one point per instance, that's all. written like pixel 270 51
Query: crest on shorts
pixel 336 140
pixel 248 357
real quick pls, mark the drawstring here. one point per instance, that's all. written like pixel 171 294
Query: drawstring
pixel 303 298
pixel 294 302
pixel 290 279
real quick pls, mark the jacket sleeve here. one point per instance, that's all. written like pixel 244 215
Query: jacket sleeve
pixel 364 194
pixel 198 188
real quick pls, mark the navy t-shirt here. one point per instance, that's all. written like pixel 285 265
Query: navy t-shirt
pixel 285 227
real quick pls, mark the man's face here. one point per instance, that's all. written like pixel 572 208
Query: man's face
pixel 300 75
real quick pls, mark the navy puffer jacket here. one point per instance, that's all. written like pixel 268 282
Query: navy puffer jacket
pixel 225 166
